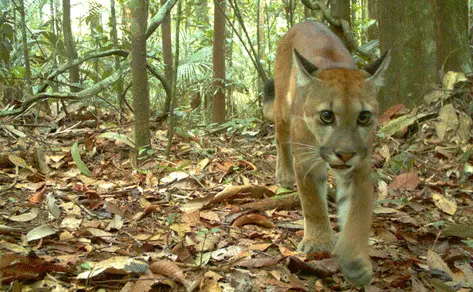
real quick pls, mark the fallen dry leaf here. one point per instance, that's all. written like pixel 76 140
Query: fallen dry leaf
pixel 405 181
pixel 447 205
pixel 41 231
pixel 435 262
pixel 20 267
pixel 256 219
pixel 169 269
pixel 209 282
pixel 390 112
pixel 448 121
pixel 257 263
pixel 25 217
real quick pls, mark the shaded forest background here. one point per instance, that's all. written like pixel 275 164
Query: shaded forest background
pixel 133 154
pixel 213 57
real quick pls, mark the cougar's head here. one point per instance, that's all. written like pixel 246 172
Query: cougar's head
pixel 340 108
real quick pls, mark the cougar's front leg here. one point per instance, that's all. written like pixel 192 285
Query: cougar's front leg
pixel 355 203
pixel 311 177
pixel 284 168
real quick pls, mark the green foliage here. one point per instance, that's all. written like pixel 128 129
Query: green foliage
pixel 78 161
pixel 236 125
pixel 404 161
pixel 466 156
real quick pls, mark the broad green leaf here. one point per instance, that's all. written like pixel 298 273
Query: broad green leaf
pixel 78 161
pixel 398 124
pixel 118 137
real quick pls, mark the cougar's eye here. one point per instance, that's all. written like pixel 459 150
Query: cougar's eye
pixel 364 118
pixel 326 117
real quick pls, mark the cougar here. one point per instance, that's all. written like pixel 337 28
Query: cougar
pixel 325 113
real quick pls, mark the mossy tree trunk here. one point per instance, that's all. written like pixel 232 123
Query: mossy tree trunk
pixel 407 29
pixel 453 47
pixel 69 43
pixel 219 62
pixel 167 55
pixel 139 17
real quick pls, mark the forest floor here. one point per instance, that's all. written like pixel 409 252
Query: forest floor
pixel 211 217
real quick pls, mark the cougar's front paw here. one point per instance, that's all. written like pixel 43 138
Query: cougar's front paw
pixel 310 246
pixel 358 271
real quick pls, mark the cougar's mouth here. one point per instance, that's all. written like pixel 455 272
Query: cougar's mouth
pixel 340 166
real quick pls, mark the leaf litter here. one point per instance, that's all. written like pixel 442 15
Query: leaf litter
pixel 212 218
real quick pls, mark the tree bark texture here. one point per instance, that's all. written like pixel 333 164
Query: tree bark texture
pixel 26 54
pixel 373 30
pixel 114 37
pixel 139 15
pixel 407 29
pixel 167 54
pixel 453 47
pixel 69 42
pixel 159 17
pixel 219 63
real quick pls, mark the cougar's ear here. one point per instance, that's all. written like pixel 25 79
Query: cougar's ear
pixel 304 69
pixel 378 69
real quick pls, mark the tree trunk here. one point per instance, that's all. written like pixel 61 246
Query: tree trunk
pixel 139 14
pixel 219 62
pixel 289 9
pixel 114 38
pixel 453 47
pixel 167 55
pixel 408 30
pixel 26 54
pixel 126 25
pixel 260 16
pixel 373 30
pixel 340 9
pixel 69 43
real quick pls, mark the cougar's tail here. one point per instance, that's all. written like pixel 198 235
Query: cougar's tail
pixel 268 100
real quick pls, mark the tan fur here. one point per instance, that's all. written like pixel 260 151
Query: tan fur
pixel 307 147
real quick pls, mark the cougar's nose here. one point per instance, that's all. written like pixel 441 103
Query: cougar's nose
pixel 345 156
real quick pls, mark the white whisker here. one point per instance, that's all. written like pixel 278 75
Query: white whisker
pixel 309 156
pixel 310 169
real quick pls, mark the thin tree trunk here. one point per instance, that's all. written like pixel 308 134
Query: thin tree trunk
pixel 453 48
pixel 219 62
pixel 167 55
pixel 114 37
pixel 373 30
pixel 139 13
pixel 126 25
pixel 69 42
pixel 174 87
pixel 26 54
pixel 340 9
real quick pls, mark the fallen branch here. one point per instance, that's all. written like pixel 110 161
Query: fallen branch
pixel 88 92
pixel 343 25
pixel 77 62
pixel 167 89
pixel 286 202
